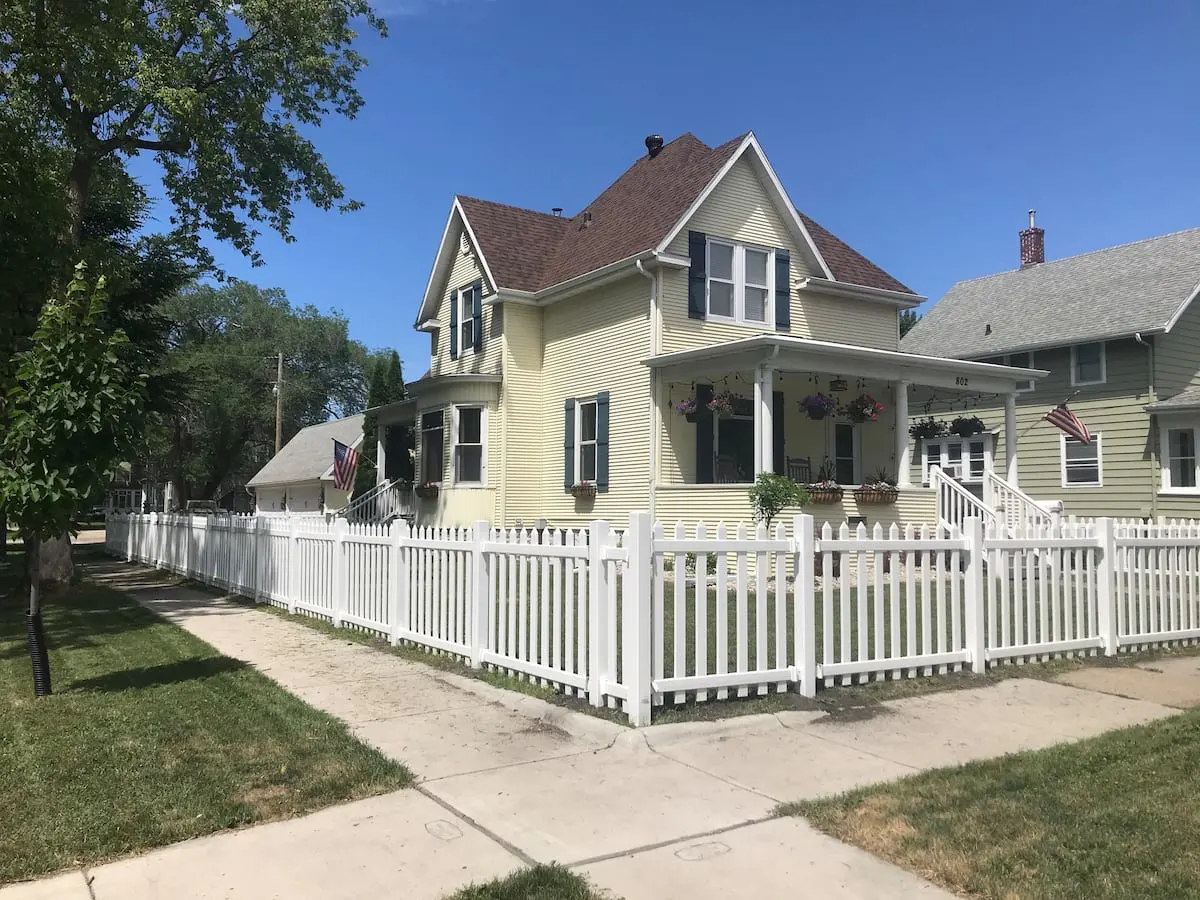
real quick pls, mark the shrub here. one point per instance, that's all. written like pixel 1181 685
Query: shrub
pixel 771 494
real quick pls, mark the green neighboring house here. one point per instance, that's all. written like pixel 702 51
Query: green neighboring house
pixel 1119 331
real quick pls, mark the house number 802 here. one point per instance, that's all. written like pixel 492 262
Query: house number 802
pixel 961 380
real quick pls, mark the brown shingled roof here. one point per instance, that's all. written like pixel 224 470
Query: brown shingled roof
pixel 529 250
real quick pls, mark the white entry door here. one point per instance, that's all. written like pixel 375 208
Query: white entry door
pixel 967 459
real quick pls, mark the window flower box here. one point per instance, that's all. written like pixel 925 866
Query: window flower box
pixel 428 490
pixel 875 495
pixel 825 493
pixel 583 490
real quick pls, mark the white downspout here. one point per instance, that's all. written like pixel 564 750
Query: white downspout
pixel 655 416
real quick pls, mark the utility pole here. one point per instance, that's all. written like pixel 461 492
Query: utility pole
pixel 279 403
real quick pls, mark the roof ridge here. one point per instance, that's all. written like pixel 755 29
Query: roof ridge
pixel 1076 256
pixel 524 209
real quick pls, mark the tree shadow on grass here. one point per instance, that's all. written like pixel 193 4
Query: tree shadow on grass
pixel 155 676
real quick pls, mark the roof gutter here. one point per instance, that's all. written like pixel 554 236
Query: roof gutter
pixel 1048 345
pixel 622 268
pixel 898 299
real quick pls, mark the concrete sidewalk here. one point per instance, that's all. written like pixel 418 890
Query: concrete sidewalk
pixel 671 811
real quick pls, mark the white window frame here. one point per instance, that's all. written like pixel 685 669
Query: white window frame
pixel 1098 440
pixel 989 455
pixel 1164 429
pixel 739 284
pixel 1031 383
pixel 455 445
pixel 1075 382
pixel 466 317
pixel 580 403
pixel 421 430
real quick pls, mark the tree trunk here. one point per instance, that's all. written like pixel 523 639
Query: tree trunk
pixel 35 633
pixel 54 560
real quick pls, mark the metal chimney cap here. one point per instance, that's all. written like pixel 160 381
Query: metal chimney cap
pixel 654 144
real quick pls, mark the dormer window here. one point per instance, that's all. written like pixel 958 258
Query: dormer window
pixel 740 282
pixel 1088 365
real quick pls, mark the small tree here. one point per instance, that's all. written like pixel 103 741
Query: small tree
pixel 771 494
pixel 69 421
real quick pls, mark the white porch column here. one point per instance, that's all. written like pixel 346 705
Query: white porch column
pixel 1010 439
pixel 903 457
pixel 380 453
pixel 764 432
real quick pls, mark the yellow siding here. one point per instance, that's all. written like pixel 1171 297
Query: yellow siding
pixel 457 507
pixel 1114 409
pixel 803 437
pixel 740 209
pixel 464 271
pixel 521 409
pixel 731 504
pixel 594 342
pixel 1177 356
pixel 463 506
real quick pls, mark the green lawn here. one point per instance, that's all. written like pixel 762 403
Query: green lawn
pixel 151 737
pixel 1111 817
pixel 538 883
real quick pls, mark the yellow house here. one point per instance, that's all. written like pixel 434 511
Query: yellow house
pixel 562 348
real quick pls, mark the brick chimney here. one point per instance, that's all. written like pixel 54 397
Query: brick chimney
pixel 1033 243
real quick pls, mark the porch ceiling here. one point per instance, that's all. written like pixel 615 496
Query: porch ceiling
pixel 793 354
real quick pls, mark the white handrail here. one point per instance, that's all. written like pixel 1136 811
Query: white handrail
pixel 384 501
pixel 955 503
pixel 1015 507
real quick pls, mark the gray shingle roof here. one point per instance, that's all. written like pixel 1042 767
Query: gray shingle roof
pixel 1105 294
pixel 309 454
pixel 1181 401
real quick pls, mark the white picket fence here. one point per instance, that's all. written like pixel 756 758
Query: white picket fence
pixel 655 613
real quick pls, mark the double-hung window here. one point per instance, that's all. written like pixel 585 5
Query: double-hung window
pixel 1088 365
pixel 740 282
pixel 1180 472
pixel 1082 464
pixel 586 440
pixel 432 445
pixel 846 452
pixel 469 432
pixel 466 321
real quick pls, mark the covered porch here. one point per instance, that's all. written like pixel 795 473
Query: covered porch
pixel 817 412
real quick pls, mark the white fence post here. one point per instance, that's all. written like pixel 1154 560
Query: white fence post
pixel 341 572
pixel 256 564
pixel 399 580
pixel 974 619
pixel 292 581
pixel 598 538
pixel 636 669
pixel 1106 606
pixel 805 610
pixel 129 539
pixel 478 591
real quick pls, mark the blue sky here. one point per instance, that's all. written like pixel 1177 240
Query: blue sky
pixel 919 132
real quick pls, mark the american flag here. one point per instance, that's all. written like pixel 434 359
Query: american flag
pixel 1065 420
pixel 345 463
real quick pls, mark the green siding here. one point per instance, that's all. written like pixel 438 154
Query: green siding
pixel 1177 356
pixel 1114 409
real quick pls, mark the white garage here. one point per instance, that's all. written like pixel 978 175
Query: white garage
pixel 299 478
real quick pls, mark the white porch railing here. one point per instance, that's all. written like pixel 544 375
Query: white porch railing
pixel 1013 506
pixel 384 502
pixel 955 503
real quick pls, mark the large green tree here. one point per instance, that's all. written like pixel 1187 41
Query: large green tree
pixel 219 91
pixel 69 421
pixel 224 344
pixel 387 386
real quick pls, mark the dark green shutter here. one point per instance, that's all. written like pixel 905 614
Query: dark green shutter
pixel 602 441
pixel 783 291
pixel 777 443
pixel 568 444
pixel 454 324
pixel 705 464
pixel 698 251
pixel 477 312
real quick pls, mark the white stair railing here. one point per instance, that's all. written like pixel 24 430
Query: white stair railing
pixel 955 503
pixel 385 501
pixel 1013 506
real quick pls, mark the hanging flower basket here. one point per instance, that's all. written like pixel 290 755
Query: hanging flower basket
pixel 427 491
pixel 927 428
pixel 688 408
pixel 722 404
pixel 825 493
pixel 818 406
pixel 584 490
pixel 967 426
pixel 863 408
